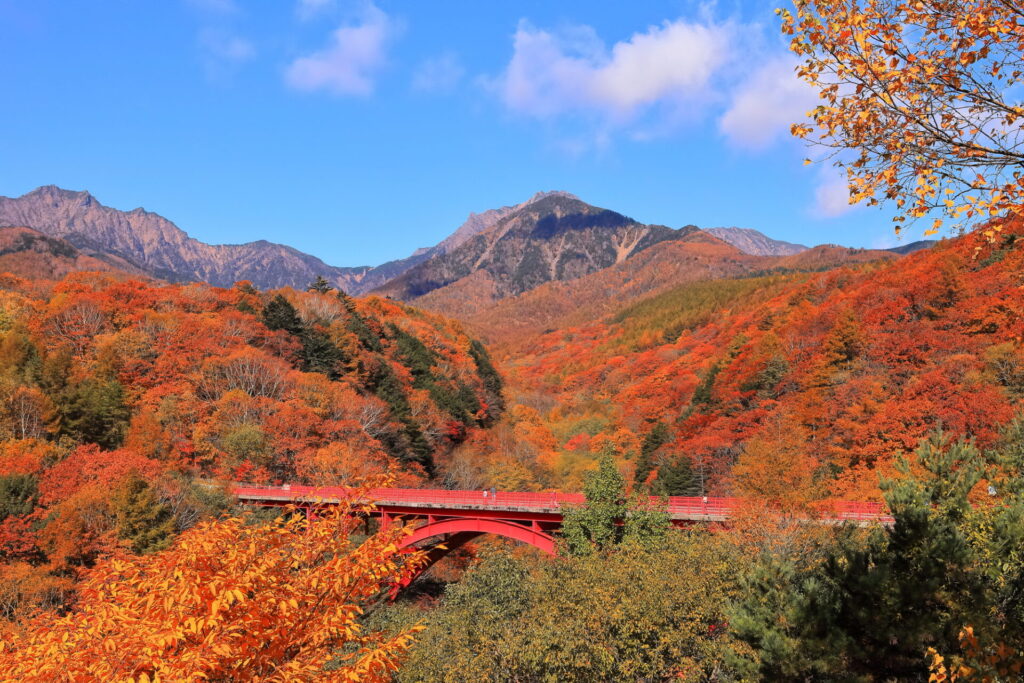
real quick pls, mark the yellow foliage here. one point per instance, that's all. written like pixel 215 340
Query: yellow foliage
pixel 230 601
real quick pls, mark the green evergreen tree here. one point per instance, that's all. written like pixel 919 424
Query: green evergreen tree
pixel 279 314
pixel 94 412
pixel 874 603
pixel 355 324
pixel 702 394
pixel 142 519
pixel 492 381
pixel 18 495
pixel 319 353
pixel 319 285
pixel 413 354
pixel 414 447
pixel 676 478
pixel 655 439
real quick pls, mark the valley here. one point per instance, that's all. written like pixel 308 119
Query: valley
pixel 666 343
pixel 669 362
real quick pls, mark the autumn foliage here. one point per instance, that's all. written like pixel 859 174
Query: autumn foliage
pixel 231 600
pixel 788 388
pixel 919 99
pixel 123 401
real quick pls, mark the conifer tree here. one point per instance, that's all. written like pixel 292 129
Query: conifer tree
pixel 320 285
pixel 142 519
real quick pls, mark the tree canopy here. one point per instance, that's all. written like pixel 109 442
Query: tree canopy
pixel 925 96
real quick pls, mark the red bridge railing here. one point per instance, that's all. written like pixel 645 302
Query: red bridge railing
pixel 678 507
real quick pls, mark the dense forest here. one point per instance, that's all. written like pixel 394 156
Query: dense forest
pixel 897 381
pixel 125 403
pixel 786 387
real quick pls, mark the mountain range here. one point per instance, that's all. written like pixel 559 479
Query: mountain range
pixel 551 240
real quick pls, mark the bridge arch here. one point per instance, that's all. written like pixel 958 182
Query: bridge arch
pixel 454 533
pixel 470 528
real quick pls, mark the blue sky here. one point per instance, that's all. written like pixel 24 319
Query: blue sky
pixel 360 131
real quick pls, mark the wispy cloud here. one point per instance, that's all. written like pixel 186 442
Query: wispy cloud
pixel 307 9
pixel 438 74
pixel 226 46
pixel 832 195
pixel 352 59
pixel 766 104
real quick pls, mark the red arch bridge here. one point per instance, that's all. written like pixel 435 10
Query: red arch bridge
pixel 445 520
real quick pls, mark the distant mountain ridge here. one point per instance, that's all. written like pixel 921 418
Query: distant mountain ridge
pixel 159 247
pixel 756 243
pixel 475 224
pixel 698 255
pixel 911 247
pixel 551 237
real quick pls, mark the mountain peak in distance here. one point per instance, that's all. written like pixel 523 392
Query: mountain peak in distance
pixel 756 243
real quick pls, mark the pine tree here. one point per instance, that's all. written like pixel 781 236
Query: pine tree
pixel 320 285
pixel 279 314
pixel 142 519
pixel 874 604
pixel 655 439
pixel 18 495
pixel 676 478
pixel 95 412
pixel 493 384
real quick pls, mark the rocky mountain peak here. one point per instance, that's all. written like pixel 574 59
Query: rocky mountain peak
pixel 755 243
pixel 158 247
pixel 550 193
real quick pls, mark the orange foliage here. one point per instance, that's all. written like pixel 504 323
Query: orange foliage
pixel 229 601
pixel 862 362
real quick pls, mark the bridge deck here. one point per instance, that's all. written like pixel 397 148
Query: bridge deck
pixel 526 506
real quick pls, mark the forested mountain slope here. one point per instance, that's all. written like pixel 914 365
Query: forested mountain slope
pixel 116 395
pixel 28 253
pixel 785 386
pixel 514 321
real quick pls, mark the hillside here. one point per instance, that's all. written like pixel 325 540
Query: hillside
pixel 122 395
pixel 785 385
pixel 513 321
pixel 28 253
pixel 552 237
pixel 557 304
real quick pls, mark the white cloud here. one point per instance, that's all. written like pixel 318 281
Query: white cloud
pixel 439 74
pixel 349 64
pixel 223 52
pixel 553 74
pixel 310 8
pixel 226 47
pixel 766 104
pixel 832 196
